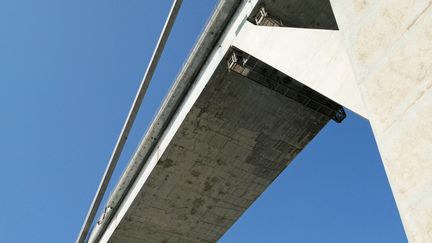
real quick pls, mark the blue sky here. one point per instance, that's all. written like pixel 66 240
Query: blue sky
pixel 69 71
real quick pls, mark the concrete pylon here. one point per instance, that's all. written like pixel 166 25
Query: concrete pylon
pixel 389 44
pixel 378 64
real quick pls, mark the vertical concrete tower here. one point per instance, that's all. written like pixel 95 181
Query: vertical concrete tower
pixel 389 44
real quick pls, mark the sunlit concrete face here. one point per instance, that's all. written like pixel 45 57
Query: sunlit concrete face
pixel 234 142
pixel 390 48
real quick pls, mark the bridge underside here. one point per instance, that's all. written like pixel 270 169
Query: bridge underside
pixel 237 138
pixel 221 137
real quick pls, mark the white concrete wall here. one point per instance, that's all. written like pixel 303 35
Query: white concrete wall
pixel 314 57
pixel 389 43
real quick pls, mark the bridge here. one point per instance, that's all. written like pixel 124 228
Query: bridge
pixel 262 80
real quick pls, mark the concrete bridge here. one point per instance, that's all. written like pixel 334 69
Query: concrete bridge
pixel 263 79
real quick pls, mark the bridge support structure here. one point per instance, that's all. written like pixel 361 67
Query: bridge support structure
pixel 279 71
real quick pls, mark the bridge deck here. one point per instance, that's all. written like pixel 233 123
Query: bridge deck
pixel 234 142
pixel 196 171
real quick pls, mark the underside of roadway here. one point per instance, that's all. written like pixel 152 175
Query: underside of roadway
pixel 238 137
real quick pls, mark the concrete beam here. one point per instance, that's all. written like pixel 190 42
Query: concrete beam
pixel 227 141
pixel 314 57
pixel 233 142
pixel 147 155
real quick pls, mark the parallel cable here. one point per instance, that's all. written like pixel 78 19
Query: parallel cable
pixel 129 121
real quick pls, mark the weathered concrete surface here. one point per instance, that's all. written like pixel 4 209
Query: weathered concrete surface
pixel 390 48
pixel 208 51
pixel 234 142
pixel 170 117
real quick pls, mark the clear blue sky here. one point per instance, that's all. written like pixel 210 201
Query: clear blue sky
pixel 68 73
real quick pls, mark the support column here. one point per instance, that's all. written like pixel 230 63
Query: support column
pixel 390 48
pixel 379 64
